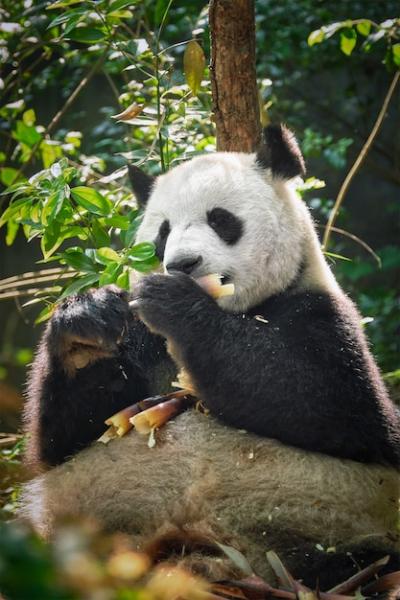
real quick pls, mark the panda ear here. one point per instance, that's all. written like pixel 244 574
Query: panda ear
pixel 280 152
pixel 141 183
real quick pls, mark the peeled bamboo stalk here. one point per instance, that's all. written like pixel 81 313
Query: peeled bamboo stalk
pixel 155 417
pixel 121 422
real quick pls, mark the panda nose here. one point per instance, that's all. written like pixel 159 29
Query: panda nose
pixel 185 265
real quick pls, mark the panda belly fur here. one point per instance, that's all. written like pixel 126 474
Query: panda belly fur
pixel 302 375
pixel 235 488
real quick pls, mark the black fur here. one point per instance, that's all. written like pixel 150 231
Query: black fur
pixel 66 411
pixel 225 224
pixel 161 239
pixel 141 183
pixel 280 152
pixel 305 378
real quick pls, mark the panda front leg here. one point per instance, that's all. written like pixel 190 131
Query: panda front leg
pixel 94 359
pixel 299 378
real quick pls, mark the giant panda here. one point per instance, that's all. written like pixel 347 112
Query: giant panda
pixel 300 450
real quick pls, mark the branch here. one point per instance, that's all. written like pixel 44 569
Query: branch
pixel 359 160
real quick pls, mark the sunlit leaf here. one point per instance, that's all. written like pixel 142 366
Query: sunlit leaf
pixel 194 63
pixel 396 54
pixel 364 27
pixel 26 134
pixel 348 40
pixel 145 266
pixel 50 152
pixel 91 200
pixel 45 313
pixel 29 117
pixel 12 230
pixel 142 251
pixel 316 37
pixel 8 175
pixel 123 280
pixel 107 255
pixel 118 221
pixel 13 209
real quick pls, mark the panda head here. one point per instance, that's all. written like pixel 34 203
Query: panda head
pixel 230 213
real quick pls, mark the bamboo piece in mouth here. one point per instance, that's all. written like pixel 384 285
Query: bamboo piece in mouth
pixel 210 284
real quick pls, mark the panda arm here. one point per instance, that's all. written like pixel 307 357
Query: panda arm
pixel 94 359
pixel 305 377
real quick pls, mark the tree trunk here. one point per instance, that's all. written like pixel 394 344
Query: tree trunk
pixel 233 75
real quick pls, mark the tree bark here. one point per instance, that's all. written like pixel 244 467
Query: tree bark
pixel 233 75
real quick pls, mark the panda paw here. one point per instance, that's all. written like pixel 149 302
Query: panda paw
pixel 165 302
pixel 87 327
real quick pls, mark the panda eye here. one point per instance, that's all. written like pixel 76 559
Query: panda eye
pixel 225 224
pixel 161 239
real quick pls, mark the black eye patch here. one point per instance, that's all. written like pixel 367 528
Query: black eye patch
pixel 225 224
pixel 161 239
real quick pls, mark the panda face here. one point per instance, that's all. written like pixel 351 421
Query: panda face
pixel 223 214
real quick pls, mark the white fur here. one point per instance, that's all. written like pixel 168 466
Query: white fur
pixel 278 231
pixel 236 487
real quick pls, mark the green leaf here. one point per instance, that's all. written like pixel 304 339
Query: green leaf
pixel 29 117
pixel 50 151
pixel 51 240
pixel 117 221
pixel 91 200
pixel 45 313
pixel 87 35
pixel 26 134
pixel 78 284
pixel 194 63
pixel 66 17
pixel 107 255
pixel 348 40
pixel 123 280
pixel 14 209
pixel 142 251
pixel 8 175
pixel 128 236
pixel 316 37
pixel 12 230
pixel 100 234
pixel 396 54
pixel 338 256
pixel 110 274
pixel 145 266
pixel 78 260
pixel 117 4
pixel 364 27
